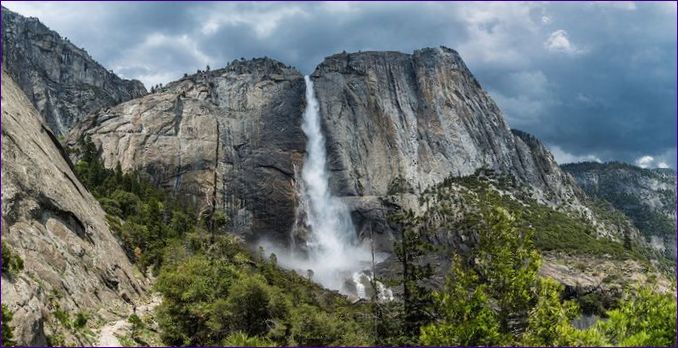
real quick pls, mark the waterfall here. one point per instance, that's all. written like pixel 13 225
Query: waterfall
pixel 333 249
pixel 332 255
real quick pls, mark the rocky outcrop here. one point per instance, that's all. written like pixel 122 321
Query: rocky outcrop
pixel 646 196
pixel 394 119
pixel 601 279
pixel 72 262
pixel 226 139
pixel 422 117
pixel 62 81
pixel 230 139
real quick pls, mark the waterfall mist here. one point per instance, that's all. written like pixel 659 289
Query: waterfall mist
pixel 332 251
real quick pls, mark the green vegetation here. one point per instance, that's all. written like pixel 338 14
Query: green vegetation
pixel 494 296
pixel 7 334
pixel 137 326
pixel 239 339
pixel 644 217
pixel 11 262
pixel 62 322
pixel 554 230
pixel 489 293
pixel 416 298
pixel 143 217
pixel 218 292
pixel 215 291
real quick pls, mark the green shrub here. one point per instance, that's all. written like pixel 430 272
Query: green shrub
pixel 239 339
pixel 11 262
pixel 644 318
pixel 254 307
pixel 137 325
pixel 7 334
pixel 80 321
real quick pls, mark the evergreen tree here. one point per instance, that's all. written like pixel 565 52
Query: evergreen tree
pixel 417 297
pixel 489 292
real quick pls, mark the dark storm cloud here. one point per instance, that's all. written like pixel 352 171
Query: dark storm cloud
pixel 594 81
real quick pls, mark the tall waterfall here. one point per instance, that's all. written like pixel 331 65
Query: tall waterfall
pixel 333 254
pixel 333 249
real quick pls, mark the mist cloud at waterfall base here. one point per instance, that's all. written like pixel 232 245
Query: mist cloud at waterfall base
pixel 336 273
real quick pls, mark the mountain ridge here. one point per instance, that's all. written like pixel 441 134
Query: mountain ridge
pixel 647 196
pixel 62 80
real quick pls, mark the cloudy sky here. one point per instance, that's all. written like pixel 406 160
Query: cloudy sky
pixel 594 81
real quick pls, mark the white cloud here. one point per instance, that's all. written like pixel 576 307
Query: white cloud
pixel 154 60
pixel 533 82
pixel 618 5
pixel 563 157
pixel 559 42
pixel 645 161
pixel 264 22
pixel 498 33
pixel 532 101
pixel 546 20
pixel 659 161
pixel 519 110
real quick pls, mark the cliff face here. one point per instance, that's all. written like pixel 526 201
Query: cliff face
pixel 420 116
pixel 72 262
pixel 230 139
pixel 646 196
pixel 61 80
pixel 225 139
pixel 394 119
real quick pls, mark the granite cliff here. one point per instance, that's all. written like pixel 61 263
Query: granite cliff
pixel 395 119
pixel 227 139
pixel 646 196
pixel 61 80
pixel 421 117
pixel 230 140
pixel 72 262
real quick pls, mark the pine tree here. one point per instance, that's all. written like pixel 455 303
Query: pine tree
pixel 490 292
pixel 417 297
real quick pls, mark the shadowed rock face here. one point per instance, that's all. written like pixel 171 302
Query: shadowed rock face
pixel 61 80
pixel 58 229
pixel 229 138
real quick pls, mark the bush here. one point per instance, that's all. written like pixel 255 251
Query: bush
pixel 254 307
pixel 11 262
pixel 191 292
pixel 7 334
pixel 80 320
pixel 645 318
pixel 239 339
pixel 313 327
pixel 137 325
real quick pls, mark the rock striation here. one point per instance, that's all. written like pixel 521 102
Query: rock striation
pixel 230 139
pixel 72 261
pixel 227 139
pixel 61 80
pixel 646 196
pixel 415 119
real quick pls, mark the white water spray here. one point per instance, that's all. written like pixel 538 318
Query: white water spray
pixel 333 249
pixel 332 252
